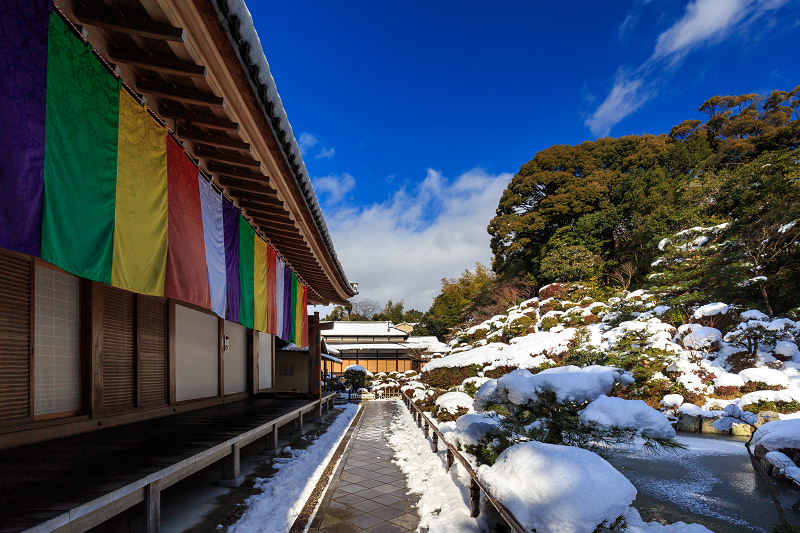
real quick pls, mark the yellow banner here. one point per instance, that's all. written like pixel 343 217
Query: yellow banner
pixel 260 284
pixel 140 224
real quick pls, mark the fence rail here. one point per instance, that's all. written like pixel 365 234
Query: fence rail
pixel 475 486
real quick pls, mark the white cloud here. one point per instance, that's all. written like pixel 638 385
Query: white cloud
pixel 400 249
pixel 306 141
pixel 332 189
pixel 325 153
pixel 703 23
pixel 625 97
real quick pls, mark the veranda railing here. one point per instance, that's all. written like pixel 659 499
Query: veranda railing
pixel 475 486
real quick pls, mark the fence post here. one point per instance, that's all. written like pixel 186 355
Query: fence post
pixel 449 458
pixel 474 498
pixel 435 442
pixel 419 420
pixel 427 429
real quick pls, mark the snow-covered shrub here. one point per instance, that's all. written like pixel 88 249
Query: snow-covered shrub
pixel 357 377
pixel 558 489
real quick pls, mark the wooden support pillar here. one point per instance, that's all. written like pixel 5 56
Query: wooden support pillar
pixel 147 517
pixel 91 340
pixel 221 356
pixel 450 458
pixel 271 442
pixel 252 362
pixel 474 498
pixel 315 354
pixel 435 442
pixel 327 407
pixel 231 470
pixel 297 425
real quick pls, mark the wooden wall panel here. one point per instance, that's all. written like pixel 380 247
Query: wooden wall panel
pixel 119 350
pixel 151 343
pixel 15 337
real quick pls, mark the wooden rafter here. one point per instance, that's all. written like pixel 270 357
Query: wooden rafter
pixel 236 172
pixel 180 113
pixel 259 192
pixel 203 152
pixel 222 141
pixel 131 25
pixel 167 65
pixel 181 94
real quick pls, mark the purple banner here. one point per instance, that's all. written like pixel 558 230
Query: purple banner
pixel 230 223
pixel 287 304
pixel 23 89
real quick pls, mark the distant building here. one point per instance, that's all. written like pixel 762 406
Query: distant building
pixel 379 346
pixel 408 327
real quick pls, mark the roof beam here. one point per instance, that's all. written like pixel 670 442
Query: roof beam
pixel 177 112
pixel 222 141
pixel 167 65
pixel 138 26
pixel 203 152
pixel 259 192
pixel 264 216
pixel 181 94
pixel 236 172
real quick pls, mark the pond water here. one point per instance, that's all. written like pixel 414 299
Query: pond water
pixel 711 483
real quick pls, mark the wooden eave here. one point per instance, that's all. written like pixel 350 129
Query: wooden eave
pixel 179 57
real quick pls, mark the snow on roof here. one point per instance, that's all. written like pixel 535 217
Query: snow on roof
pixel 236 19
pixel 367 346
pixel 431 344
pixel 363 329
pixel 331 358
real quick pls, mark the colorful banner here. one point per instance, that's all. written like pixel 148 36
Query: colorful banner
pixel 23 90
pixel 230 224
pixel 246 280
pixel 140 221
pixel 94 184
pixel 260 284
pixel 80 163
pixel 187 273
pixel 272 307
pixel 213 235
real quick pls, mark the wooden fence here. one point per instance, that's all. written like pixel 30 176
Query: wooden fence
pixel 475 486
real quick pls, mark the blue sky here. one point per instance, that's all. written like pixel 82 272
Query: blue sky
pixel 414 116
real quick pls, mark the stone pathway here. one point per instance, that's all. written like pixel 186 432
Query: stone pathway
pixel 368 492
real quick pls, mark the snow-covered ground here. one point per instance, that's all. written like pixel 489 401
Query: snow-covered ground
pixel 284 494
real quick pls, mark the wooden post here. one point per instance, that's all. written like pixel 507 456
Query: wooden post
pixel 91 303
pixel 297 427
pixel 252 362
pixel 172 358
pixel 231 469
pixel 315 356
pixel 450 458
pixel 221 356
pixel 474 498
pixel 271 442
pixel 435 442
pixel 148 520
pixel 427 429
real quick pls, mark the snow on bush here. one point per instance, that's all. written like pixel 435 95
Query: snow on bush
pixel 672 400
pixel 769 376
pixel 609 413
pixel 358 368
pixel 558 489
pixel 569 383
pixel 453 401
pixel 697 337
pixel 468 429
pixel 717 308
pixel 785 349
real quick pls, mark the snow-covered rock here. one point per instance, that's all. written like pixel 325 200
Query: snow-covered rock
pixel 617 413
pixel 697 337
pixel 726 379
pixel 785 349
pixel 558 489
pixel 778 435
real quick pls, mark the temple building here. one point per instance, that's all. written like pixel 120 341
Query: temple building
pixel 160 241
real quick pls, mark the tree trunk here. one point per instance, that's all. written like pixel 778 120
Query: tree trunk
pixel 766 299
